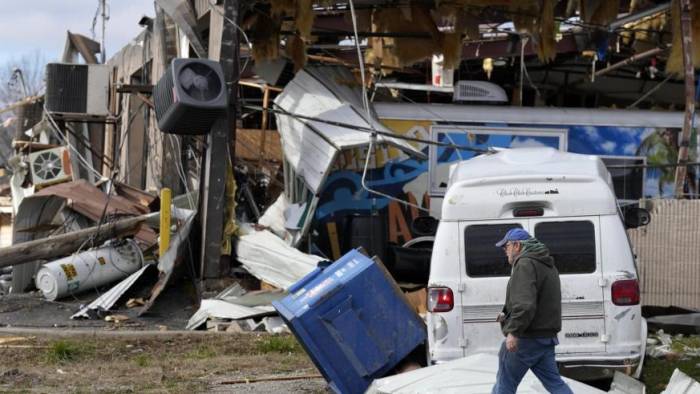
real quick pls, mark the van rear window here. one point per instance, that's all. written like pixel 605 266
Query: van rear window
pixel 483 258
pixel 571 243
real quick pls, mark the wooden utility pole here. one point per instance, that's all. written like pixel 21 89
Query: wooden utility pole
pixel 220 144
pixel 687 39
pixel 64 244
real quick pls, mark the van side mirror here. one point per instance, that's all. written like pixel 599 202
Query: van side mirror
pixel 636 217
pixel 424 226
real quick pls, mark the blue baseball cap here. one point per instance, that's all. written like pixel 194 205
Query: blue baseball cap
pixel 514 234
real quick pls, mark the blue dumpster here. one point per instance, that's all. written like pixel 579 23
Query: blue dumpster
pixel 352 320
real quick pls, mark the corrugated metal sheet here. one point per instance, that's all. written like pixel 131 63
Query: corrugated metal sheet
pixel 269 258
pixel 108 299
pixel 668 254
pixel 330 94
pixel 473 374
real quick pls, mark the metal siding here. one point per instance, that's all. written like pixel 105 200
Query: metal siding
pixel 667 254
pixel 201 7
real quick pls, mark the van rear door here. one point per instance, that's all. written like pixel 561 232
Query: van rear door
pixel 575 245
pixel 485 272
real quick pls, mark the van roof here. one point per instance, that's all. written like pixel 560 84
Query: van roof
pixel 529 161
pixel 566 184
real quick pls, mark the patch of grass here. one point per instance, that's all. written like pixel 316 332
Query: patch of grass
pixel 65 351
pixel 657 372
pixel 679 344
pixel 201 353
pixel 279 344
pixel 142 360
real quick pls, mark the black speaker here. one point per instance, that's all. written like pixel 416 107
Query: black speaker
pixel 190 96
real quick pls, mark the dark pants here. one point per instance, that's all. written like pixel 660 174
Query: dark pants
pixel 536 354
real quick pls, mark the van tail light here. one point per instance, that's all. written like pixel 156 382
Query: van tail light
pixel 625 292
pixel 440 299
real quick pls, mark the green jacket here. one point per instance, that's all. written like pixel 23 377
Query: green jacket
pixel 533 296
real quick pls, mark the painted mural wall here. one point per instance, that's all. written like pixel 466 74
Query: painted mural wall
pixel 349 215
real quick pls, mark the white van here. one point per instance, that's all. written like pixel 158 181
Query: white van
pixel 566 201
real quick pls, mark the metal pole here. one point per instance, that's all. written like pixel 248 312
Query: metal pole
pixel 165 201
pixel 639 15
pixel 687 39
pixel 631 59
pixel 103 55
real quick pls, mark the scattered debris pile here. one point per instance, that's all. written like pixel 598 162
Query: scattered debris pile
pixel 673 347
pixel 236 310
pixel 681 383
pixel 473 374
pixel 674 333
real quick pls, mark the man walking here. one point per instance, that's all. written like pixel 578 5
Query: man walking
pixel 531 317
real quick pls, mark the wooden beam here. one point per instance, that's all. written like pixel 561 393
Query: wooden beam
pixel 64 244
pixel 220 150
pixel 109 147
pixel 146 101
pixel 31 145
pixel 266 103
pixel 28 100
pixel 687 39
pixel 629 60
pixel 127 88
pixel 260 86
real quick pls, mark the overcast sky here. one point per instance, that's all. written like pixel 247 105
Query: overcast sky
pixel 30 25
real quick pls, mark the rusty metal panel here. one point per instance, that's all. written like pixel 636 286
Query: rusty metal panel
pixel 668 252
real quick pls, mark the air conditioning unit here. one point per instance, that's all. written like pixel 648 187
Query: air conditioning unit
pixel 50 166
pixel 190 96
pixel 479 91
pixel 77 88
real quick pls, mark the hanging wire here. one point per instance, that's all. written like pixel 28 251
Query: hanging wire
pixel 57 133
pixel 94 19
pixel 281 111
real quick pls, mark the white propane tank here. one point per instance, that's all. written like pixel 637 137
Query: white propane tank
pixel 89 269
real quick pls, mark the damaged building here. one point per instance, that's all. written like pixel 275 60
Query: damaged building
pixel 232 148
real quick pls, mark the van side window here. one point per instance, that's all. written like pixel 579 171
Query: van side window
pixel 571 243
pixel 483 258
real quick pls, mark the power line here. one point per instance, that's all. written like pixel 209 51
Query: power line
pixel 370 130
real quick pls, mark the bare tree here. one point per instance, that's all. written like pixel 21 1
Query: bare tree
pixel 19 77
pixel 27 69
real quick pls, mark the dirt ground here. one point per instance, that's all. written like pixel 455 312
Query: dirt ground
pixel 172 310
pixel 44 351
pixel 115 361
pixel 149 362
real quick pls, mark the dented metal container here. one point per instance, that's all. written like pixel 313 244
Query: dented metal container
pixel 89 269
pixel 353 321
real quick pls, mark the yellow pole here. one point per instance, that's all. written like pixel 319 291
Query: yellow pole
pixel 165 199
